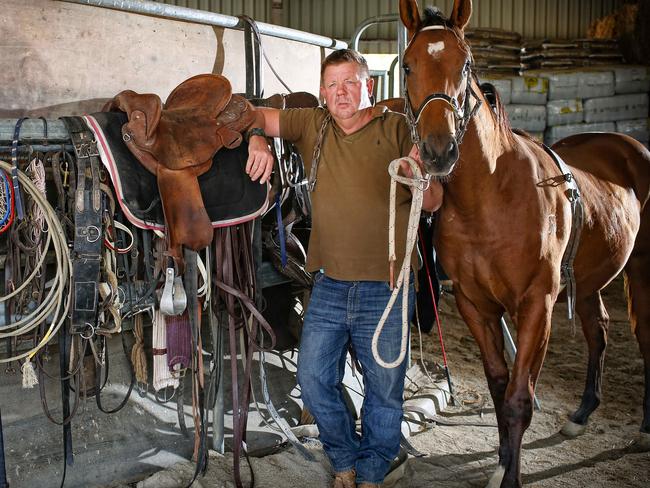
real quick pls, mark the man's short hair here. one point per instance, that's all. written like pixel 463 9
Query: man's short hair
pixel 341 56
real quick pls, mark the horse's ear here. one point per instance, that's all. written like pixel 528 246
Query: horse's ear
pixel 136 105
pixel 410 15
pixel 461 13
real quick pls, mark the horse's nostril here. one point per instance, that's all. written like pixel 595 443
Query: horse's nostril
pixel 452 151
pixel 425 151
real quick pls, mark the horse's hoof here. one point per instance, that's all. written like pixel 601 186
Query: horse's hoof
pixel 497 478
pixel 571 429
pixel 642 443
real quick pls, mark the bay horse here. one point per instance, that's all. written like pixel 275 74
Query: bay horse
pixel 506 221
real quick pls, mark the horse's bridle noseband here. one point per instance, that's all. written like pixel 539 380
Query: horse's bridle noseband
pixel 462 115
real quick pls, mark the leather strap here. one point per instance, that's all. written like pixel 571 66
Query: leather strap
pixel 3 471
pixel 313 172
pixel 236 282
pixel 198 399
pixel 20 209
pixel 577 219
pixel 64 359
pixel 88 238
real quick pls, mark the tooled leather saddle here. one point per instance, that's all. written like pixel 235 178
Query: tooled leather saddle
pixel 177 141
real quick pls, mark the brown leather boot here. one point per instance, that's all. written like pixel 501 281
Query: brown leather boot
pixel 369 485
pixel 345 479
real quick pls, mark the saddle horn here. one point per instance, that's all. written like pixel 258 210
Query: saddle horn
pixel 143 110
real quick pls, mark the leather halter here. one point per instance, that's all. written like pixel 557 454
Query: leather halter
pixel 462 114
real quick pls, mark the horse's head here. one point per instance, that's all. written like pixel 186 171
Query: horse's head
pixel 437 68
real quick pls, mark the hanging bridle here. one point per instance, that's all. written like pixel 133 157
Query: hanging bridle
pixel 462 115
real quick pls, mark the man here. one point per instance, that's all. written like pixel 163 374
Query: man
pixel 348 252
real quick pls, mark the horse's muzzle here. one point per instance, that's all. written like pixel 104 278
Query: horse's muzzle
pixel 438 162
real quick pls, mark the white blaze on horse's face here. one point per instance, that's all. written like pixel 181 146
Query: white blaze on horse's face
pixel 435 48
pixel 346 89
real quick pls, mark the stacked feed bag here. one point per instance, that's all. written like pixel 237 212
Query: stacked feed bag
pixel 531 118
pixel 594 83
pixel 563 112
pixel 554 134
pixel 615 108
pixel 503 85
pixel 634 81
pixel 639 129
pixel 527 109
pixel 529 90
pixel 562 85
pixel 631 79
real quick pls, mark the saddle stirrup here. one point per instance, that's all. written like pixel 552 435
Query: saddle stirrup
pixel 173 300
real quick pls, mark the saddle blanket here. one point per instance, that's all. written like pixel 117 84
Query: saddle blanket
pixel 229 195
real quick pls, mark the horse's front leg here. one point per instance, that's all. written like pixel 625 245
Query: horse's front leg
pixel 533 322
pixel 485 326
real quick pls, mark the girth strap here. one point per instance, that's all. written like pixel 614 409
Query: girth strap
pixel 3 471
pixel 235 281
pixel 577 219
pixel 88 209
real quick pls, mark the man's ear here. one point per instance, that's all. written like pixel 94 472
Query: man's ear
pixel 322 95
pixel 370 83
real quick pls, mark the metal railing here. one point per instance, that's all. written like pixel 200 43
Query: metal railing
pixel 210 18
pixel 401 45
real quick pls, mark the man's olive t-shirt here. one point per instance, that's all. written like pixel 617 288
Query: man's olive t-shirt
pixel 349 236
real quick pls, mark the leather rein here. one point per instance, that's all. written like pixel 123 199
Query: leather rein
pixel 462 113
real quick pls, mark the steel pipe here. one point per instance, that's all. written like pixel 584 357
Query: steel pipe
pixel 210 18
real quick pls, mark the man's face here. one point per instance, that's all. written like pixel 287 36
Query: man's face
pixel 345 89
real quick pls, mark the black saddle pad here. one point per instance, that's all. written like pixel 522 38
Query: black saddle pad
pixel 229 195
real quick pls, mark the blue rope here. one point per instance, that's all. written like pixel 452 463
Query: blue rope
pixel 7 214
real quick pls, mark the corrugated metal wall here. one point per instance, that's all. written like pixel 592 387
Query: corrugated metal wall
pixel 532 18
pixel 339 18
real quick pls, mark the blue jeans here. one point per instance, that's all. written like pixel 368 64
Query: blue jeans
pixel 342 313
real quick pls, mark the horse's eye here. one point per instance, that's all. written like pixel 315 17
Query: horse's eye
pixel 406 69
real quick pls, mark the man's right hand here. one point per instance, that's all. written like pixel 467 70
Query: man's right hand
pixel 260 159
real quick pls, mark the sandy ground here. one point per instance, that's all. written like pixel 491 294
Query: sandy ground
pixel 465 455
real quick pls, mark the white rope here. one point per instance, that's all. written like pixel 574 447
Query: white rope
pixel 55 305
pixel 419 185
pixel 37 172
pixel 4 196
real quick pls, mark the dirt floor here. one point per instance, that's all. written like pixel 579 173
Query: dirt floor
pixel 465 455
pixel 605 456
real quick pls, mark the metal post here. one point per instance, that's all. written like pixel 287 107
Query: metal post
pixel 401 46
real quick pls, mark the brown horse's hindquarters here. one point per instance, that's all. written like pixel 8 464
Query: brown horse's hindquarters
pixel 611 171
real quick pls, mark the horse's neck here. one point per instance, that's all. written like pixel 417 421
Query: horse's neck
pixel 480 152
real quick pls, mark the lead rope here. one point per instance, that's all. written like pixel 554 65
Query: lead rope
pixel 420 185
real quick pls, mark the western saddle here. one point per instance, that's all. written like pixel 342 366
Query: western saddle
pixel 176 142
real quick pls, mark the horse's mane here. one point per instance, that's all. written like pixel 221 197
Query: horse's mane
pixel 498 111
pixel 433 16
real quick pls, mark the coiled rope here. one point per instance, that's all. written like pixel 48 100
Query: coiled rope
pixel 419 185
pixel 57 302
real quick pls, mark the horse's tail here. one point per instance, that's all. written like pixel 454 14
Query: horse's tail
pixel 637 279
